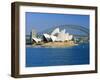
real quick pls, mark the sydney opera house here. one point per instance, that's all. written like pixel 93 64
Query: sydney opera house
pixel 57 35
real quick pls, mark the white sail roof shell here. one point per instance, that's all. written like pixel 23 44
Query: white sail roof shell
pixel 63 31
pixel 54 38
pixel 46 35
pixel 36 39
pixel 55 31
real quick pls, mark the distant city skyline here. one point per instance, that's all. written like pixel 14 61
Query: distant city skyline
pixel 42 21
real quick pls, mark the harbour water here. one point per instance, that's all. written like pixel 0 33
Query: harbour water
pixel 76 55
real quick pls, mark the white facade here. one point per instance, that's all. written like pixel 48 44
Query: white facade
pixel 46 35
pixel 55 31
pixel 37 39
pixel 61 35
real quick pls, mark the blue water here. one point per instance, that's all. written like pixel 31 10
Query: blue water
pixel 76 55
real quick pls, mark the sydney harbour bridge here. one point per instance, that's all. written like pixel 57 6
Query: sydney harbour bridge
pixel 75 30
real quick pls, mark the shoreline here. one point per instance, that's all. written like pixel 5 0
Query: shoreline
pixel 53 44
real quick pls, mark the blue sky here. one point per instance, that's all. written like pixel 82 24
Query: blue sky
pixel 42 21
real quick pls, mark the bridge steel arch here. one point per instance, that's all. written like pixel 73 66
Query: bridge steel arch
pixel 74 27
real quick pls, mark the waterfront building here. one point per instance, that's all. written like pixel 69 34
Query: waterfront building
pixel 58 35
